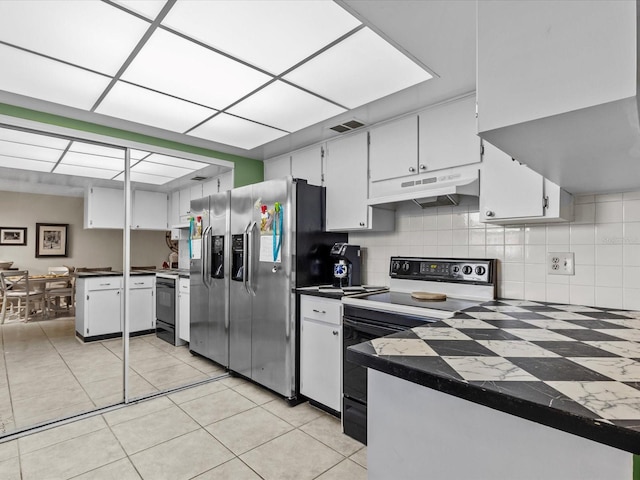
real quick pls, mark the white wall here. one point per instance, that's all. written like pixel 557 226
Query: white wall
pixel 605 237
pixel 87 248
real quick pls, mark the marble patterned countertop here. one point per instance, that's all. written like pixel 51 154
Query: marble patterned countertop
pixel 573 368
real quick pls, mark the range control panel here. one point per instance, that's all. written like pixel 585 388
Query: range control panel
pixel 443 269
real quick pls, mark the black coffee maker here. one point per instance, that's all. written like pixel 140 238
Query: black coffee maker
pixel 347 264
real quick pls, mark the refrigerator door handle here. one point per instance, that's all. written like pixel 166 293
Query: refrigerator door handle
pixel 245 257
pixel 206 266
pixel 249 261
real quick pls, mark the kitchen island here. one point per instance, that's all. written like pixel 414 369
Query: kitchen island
pixel 497 376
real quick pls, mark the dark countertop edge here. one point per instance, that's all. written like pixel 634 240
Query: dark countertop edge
pixel 112 274
pixel 319 293
pixel 605 433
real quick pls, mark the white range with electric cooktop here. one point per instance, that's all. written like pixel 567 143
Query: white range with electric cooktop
pixel 463 283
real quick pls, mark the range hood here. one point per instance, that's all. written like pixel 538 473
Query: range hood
pixel 558 89
pixel 436 189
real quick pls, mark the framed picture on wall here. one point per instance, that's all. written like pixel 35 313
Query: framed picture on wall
pixel 13 236
pixel 51 239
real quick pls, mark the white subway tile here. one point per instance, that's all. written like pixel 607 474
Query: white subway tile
pixel 557 279
pixel 444 221
pixel 584 254
pixel 558 293
pixel 430 251
pixel 584 199
pixel 430 237
pixel 535 273
pixel 584 213
pixel 495 236
pixel 513 272
pixel 430 222
pixel 415 223
pixel 609 212
pixel 416 238
pixel 535 235
pixel 632 211
pixel 609 234
pixel 402 223
pixel 495 251
pixel 477 236
pixel 460 236
pixel 608 255
pixel 512 290
pixel 631 277
pixel 557 234
pixel 631 195
pixel 460 220
pixel 609 197
pixel 445 251
pixel 535 254
pixel 582 295
pixel 404 250
pixel 584 275
pixel 535 291
pixel 582 234
pixel 631 299
pixel 474 220
pixel 514 253
pixel 460 251
pixel 608 297
pixel 608 276
pixel 631 232
pixel 477 251
pixel 445 237
pixel 416 250
pixel 631 255
pixel 514 235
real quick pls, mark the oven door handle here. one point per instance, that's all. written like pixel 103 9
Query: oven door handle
pixel 369 328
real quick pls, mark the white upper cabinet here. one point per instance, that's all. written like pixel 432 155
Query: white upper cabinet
pixel 277 167
pixel 184 203
pixel 448 136
pixel 393 150
pixel 104 208
pixel 307 164
pixel 149 210
pixel 346 181
pixel 513 193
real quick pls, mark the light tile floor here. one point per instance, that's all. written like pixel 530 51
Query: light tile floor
pixel 226 429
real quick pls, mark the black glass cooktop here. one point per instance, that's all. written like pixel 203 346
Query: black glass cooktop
pixel 399 298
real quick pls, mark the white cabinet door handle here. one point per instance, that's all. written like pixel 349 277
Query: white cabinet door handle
pixel 412 169
pixel 423 167
pixel 104 284
pixel 490 213
pixel 335 332
pixel 319 311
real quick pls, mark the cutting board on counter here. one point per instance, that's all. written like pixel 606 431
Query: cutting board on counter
pixel 428 296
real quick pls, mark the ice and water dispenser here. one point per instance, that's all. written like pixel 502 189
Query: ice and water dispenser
pixel 237 257
pixel 217 259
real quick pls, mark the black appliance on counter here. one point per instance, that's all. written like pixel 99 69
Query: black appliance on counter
pixel 465 282
pixel 347 265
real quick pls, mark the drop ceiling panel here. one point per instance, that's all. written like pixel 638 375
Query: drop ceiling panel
pixel 147 8
pixel 144 106
pixel 44 154
pixel 231 130
pixel 27 138
pixel 91 34
pixel 173 65
pixel 159 169
pixel 34 76
pixel 80 171
pixel 93 161
pixel 92 149
pixel 272 35
pixel 178 162
pixel 24 164
pixel 362 68
pixel 285 107
pixel 145 178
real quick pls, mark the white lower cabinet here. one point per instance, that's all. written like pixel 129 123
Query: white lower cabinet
pixel 184 297
pixel 142 313
pixel 320 350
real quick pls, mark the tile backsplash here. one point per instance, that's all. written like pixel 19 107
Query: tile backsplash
pixel 604 236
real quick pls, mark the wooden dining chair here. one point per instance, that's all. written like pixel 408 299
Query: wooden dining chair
pixel 14 286
pixel 57 289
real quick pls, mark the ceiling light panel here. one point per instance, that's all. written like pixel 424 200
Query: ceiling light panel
pixel 178 162
pixel 27 138
pixel 100 150
pixel 80 171
pixel 147 8
pixel 144 106
pixel 159 169
pixel 33 152
pixel 170 64
pixel 237 132
pixel 138 154
pixel 145 178
pixel 91 34
pixel 28 74
pixel 286 107
pixel 93 161
pixel 358 70
pixel 272 35
pixel 24 164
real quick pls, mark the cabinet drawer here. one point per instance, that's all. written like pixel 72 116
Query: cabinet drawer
pixel 104 283
pixel 325 310
pixel 183 286
pixel 142 282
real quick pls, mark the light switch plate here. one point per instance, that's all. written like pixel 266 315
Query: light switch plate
pixel 560 263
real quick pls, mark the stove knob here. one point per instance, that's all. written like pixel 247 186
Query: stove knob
pixel 480 270
pixel 467 270
pixel 396 266
pixel 456 269
pixel 405 267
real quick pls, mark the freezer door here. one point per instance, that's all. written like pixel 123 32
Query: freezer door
pixel 273 326
pixel 199 293
pixel 240 305
pixel 218 268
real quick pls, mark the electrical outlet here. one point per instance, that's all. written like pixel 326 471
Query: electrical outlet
pixel 560 263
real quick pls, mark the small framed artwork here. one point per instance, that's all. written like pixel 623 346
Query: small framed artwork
pixel 51 239
pixel 13 236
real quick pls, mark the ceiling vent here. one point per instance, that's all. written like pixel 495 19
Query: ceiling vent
pixel 198 178
pixel 347 126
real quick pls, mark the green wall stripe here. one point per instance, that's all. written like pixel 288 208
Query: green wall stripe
pixel 247 170
pixel 636 467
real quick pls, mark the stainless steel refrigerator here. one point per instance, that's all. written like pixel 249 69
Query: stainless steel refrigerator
pixel 249 323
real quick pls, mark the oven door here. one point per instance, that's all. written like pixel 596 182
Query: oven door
pixel 166 301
